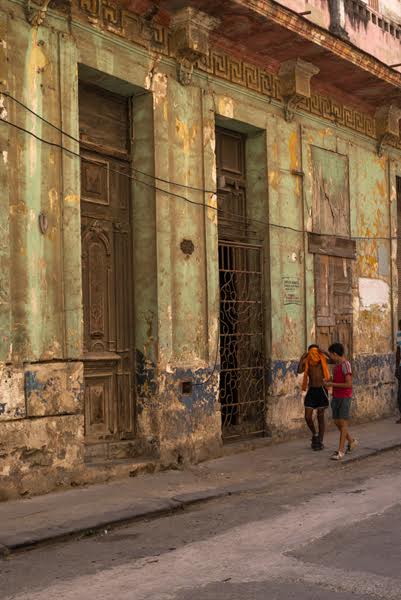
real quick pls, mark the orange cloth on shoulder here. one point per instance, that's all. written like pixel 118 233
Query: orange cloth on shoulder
pixel 314 358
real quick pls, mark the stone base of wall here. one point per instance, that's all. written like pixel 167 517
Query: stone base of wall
pixel 190 421
pixel 39 455
pixel 42 445
pixel 41 427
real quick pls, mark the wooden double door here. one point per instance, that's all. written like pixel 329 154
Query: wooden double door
pixel 106 239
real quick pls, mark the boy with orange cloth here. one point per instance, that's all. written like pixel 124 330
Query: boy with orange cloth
pixel 313 364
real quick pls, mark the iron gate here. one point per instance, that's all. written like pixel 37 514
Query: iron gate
pixel 242 344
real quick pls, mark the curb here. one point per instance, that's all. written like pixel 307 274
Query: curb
pixel 169 506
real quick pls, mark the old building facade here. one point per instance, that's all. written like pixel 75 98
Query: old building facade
pixel 189 196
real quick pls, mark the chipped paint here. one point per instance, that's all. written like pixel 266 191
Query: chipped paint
pixel 211 211
pixel 225 107
pixel 158 86
pixel 373 292
pixel 186 135
pixel 3 108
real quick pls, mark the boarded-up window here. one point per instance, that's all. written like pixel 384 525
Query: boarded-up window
pixel 330 193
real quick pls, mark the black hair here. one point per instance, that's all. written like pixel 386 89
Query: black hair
pixel 312 346
pixel 337 348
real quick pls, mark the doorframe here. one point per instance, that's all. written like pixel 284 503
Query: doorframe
pixel 257 207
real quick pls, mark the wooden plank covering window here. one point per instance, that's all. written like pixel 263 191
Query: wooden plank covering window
pixel 331 246
pixel 105 124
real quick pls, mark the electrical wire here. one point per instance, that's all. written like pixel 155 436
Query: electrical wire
pixel 77 141
pixel 236 218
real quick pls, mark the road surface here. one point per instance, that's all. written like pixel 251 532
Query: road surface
pixel 316 537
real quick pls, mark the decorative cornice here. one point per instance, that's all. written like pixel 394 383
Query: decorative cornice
pixel 387 127
pixel 107 16
pixel 224 66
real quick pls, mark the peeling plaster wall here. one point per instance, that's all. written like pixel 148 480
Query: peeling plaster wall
pixel 41 403
pixel 371 215
pixel 176 294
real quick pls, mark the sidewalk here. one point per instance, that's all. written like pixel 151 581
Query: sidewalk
pixel 28 522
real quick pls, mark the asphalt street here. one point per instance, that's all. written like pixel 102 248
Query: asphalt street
pixel 331 535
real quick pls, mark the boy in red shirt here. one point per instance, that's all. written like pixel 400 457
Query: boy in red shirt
pixel 341 401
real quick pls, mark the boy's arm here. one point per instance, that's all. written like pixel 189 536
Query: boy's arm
pixel 301 364
pixel 347 384
pixel 327 355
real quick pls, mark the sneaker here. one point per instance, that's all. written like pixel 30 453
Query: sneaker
pixel 351 446
pixel 315 442
pixel 398 421
pixel 319 446
pixel 337 455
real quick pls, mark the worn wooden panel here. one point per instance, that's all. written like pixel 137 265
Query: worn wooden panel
pixel 100 384
pixel 331 207
pixel 104 120
pixel 333 289
pixel 231 176
pixel 332 246
pixel 106 268
pixel 99 305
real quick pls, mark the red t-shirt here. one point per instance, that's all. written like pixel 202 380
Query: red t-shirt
pixel 339 374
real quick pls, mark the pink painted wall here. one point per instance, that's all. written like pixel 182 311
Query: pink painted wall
pixel 377 35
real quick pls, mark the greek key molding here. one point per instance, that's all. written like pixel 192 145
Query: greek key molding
pixel 110 17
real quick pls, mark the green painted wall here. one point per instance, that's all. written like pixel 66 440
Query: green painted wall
pixel 176 300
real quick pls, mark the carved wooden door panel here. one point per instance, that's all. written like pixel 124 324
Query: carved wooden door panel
pixel 106 240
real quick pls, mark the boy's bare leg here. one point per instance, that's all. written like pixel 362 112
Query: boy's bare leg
pixel 309 420
pixel 350 439
pixel 322 423
pixel 342 425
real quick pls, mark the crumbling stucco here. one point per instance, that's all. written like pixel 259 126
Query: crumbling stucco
pixel 37 455
pixel 54 389
pixel 12 398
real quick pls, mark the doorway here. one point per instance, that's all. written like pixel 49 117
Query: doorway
pixel 242 345
pixel 107 283
pixel 334 251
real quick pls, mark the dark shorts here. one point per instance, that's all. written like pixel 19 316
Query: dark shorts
pixel 316 398
pixel 341 408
